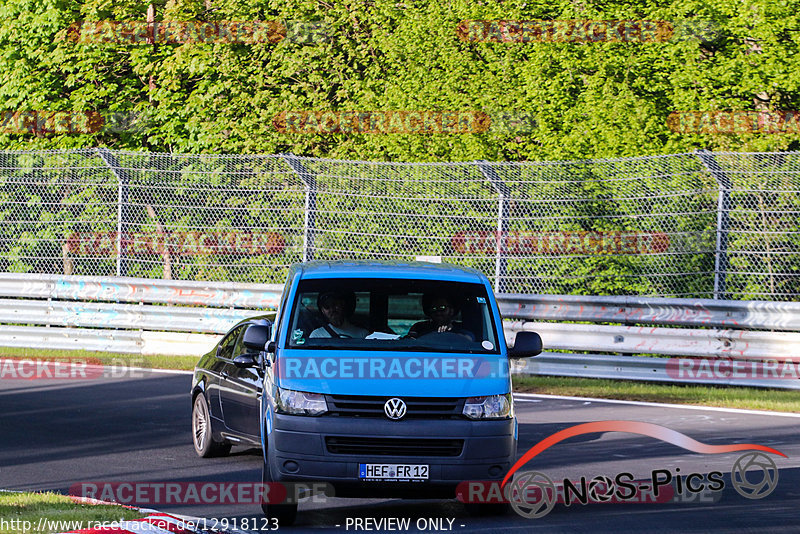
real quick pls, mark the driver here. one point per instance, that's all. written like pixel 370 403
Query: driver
pixel 441 310
pixel 337 307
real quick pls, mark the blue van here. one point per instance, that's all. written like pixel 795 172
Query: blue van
pixel 378 379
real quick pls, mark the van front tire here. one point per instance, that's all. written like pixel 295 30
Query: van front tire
pixel 285 514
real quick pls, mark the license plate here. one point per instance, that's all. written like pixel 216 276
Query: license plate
pixel 393 472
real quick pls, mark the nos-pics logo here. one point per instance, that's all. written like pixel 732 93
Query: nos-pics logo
pixel 533 494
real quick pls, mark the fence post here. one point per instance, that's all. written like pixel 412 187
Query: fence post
pixel 723 221
pixel 309 224
pixel 504 192
pixel 112 163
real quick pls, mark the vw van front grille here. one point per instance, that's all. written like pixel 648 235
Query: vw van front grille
pixel 417 407
pixel 393 446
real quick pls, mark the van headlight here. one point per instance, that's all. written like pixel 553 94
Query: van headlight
pixel 292 402
pixel 491 407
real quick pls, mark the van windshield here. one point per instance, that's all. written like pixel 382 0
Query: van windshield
pixel 392 314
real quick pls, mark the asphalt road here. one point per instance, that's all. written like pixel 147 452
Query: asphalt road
pixel 54 434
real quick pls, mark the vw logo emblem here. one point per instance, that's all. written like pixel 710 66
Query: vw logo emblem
pixel 395 408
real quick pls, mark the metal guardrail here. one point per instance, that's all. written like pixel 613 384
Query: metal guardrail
pixel 722 331
pixel 109 315
pixel 710 343
pixel 126 315
pixel 660 311
pixel 138 290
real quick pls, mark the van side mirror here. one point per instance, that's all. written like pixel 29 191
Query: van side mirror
pixel 257 336
pixel 526 345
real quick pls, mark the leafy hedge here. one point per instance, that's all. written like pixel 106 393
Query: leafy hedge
pixel 589 100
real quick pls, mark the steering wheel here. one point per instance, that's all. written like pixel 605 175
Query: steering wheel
pixel 444 336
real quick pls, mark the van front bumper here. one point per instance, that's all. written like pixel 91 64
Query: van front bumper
pixel 309 449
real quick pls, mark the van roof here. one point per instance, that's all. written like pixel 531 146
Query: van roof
pixel 388 269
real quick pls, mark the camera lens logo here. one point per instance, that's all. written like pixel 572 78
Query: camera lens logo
pixel 755 485
pixel 601 489
pixel 532 494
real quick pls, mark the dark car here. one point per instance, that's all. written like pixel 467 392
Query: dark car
pixel 226 397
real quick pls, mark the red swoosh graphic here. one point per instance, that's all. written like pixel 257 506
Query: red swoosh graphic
pixel 634 427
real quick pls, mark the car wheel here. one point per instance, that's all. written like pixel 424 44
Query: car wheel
pixel 285 514
pixel 202 434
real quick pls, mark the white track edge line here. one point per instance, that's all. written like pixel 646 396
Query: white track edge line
pixel 662 405
pixel 166 371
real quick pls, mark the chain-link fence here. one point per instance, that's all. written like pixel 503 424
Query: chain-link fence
pixel 725 225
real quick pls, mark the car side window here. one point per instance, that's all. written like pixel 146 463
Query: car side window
pixel 238 347
pixel 226 346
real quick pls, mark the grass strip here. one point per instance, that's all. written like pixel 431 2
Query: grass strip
pixel 106 358
pixel 45 513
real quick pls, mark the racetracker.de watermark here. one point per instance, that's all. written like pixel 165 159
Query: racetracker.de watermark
pixel 197 32
pixel 558 243
pixel 388 367
pixel 584 31
pixel 32 122
pixel 180 243
pixel 201 492
pixel 70 368
pixel 734 122
pixel 622 488
pixel 730 370
pixel 382 122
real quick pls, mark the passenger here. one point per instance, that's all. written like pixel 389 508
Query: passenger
pixel 441 309
pixel 337 307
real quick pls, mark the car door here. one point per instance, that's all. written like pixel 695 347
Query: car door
pixel 216 368
pixel 241 394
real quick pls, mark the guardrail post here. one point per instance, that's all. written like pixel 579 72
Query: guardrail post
pixel 309 224
pixel 112 163
pixel 723 221
pixel 504 192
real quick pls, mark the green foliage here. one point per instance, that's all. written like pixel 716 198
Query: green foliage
pixel 590 100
